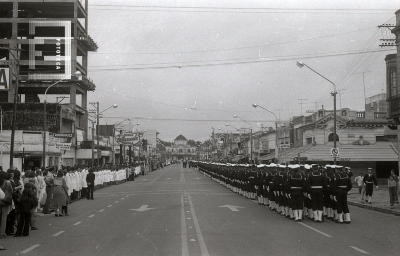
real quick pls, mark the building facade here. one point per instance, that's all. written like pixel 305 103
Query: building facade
pixel 180 150
pixel 43 45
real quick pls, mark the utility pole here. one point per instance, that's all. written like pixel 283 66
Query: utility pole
pixel 279 113
pixel 365 95
pixel 97 133
pixel 92 143
pixel 301 105
pixel 340 97
pixel 16 75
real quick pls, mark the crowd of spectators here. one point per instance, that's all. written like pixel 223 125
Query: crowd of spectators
pixel 47 190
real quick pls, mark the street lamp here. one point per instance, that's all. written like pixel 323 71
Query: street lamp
pixel 302 64
pixel 251 137
pixel 276 130
pixel 113 146
pixel 96 105
pixel 226 142
pixel 77 74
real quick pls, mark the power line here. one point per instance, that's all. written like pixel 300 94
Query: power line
pixel 191 120
pixel 177 66
pixel 235 9
pixel 236 48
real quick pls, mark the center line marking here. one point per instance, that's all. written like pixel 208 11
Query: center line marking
pixel 203 247
pixel 30 248
pixel 109 205
pixel 77 223
pixel 185 249
pixel 91 216
pixel 358 249
pixel 101 210
pixel 59 233
pixel 316 230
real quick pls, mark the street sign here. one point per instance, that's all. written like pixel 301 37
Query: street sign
pixel 64 135
pixel 335 152
pixel 63 146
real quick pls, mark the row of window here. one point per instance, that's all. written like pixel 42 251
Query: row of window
pixel 180 150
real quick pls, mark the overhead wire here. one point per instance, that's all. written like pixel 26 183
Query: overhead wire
pixel 353 64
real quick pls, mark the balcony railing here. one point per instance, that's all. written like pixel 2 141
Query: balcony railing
pixel 380 115
pixel 360 114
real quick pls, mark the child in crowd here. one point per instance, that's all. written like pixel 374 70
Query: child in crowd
pixel 27 203
pixel 392 189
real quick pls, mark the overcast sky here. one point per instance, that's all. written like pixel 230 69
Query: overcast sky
pixel 161 60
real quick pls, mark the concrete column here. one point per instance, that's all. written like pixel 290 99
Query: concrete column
pixel 72 95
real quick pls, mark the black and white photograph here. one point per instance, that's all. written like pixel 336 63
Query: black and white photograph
pixel 199 127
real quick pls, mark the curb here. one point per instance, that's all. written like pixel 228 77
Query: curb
pixel 373 208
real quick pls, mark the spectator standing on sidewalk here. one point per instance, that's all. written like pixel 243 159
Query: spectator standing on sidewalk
pixel 396 178
pixel 359 181
pixel 392 184
pixel 90 183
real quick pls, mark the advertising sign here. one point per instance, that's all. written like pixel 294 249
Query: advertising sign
pixel 63 146
pixel 4 78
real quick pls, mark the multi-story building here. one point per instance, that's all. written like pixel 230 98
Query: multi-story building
pixel 376 103
pixel 360 138
pixel 42 45
pixel 180 150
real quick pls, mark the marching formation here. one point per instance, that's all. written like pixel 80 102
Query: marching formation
pixel 294 191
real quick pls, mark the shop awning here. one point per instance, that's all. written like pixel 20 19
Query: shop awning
pixel 381 151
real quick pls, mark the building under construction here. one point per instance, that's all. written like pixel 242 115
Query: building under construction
pixel 43 45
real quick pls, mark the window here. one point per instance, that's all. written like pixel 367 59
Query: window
pixel 380 138
pixel 392 81
pixel 309 140
pixel 320 114
pixel 188 150
pixel 344 113
pixel 180 150
pixel 331 136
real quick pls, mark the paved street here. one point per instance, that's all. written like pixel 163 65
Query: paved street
pixel 176 211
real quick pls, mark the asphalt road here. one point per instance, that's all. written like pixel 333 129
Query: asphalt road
pixel 176 211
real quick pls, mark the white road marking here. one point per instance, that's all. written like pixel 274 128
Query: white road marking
pixel 122 198
pixel 77 223
pixel 232 207
pixel 142 208
pixel 109 205
pixel 189 218
pixel 358 249
pixel 30 249
pixel 91 216
pixel 203 247
pixel 185 249
pixel 316 230
pixel 116 201
pixel 101 210
pixel 59 233
pixel 192 240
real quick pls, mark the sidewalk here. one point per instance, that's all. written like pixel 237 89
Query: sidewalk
pixel 380 201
